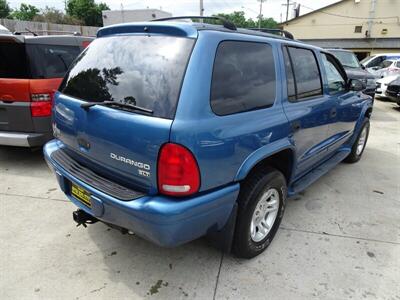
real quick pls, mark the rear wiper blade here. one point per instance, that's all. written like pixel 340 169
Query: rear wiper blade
pixel 88 105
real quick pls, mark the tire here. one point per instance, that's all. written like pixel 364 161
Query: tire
pixel 249 240
pixel 356 152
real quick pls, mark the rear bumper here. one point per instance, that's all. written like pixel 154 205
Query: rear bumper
pixel 23 139
pixel 165 221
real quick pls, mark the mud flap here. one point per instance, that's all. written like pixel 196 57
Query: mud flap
pixel 223 239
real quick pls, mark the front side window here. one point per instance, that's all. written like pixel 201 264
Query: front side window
pixel 376 61
pixel 336 82
pixel 385 64
pixel 305 73
pixel 50 61
pixel 243 77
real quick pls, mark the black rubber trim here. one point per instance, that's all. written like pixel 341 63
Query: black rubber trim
pixel 89 177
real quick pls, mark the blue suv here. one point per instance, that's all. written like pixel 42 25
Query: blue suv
pixel 174 130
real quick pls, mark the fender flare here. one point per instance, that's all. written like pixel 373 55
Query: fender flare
pixel 264 152
pixel 366 105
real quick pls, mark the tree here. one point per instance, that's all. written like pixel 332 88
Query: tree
pixel 26 12
pixel 87 10
pixel 5 9
pixel 239 19
pixel 53 15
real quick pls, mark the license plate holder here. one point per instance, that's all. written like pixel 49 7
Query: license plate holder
pixel 80 194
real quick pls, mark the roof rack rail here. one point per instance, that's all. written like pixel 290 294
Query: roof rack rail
pixel 227 24
pixel 35 32
pixel 284 33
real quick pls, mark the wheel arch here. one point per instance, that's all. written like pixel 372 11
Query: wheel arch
pixel 280 155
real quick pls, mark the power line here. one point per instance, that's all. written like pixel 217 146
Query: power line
pixel 349 17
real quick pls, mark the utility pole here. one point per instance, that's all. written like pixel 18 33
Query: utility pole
pixel 201 8
pixel 371 18
pixel 287 9
pixel 260 15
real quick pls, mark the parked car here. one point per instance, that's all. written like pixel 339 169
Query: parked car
pixel 375 60
pixel 355 70
pixel 387 68
pixel 138 115
pixel 4 30
pixel 31 69
pixel 382 84
pixel 393 90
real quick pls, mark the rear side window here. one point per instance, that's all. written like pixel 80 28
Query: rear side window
pixel 50 61
pixel 306 73
pixel 243 77
pixel 13 62
pixel 146 71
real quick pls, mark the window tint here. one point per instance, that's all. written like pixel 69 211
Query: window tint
pixel 385 64
pixel 291 87
pixel 243 77
pixel 336 82
pixel 146 71
pixel 305 72
pixel 347 59
pixel 376 61
pixel 50 61
pixel 13 61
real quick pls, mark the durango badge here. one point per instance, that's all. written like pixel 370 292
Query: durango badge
pixel 143 168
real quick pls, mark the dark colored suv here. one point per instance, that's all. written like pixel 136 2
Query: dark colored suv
pixel 31 69
pixel 355 70
pixel 177 130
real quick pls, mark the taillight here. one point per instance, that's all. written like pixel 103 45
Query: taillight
pixel 41 105
pixel 178 172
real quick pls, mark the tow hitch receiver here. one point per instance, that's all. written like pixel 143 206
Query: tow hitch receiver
pixel 83 218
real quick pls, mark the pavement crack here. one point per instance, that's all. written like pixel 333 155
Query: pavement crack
pixel 218 274
pixel 34 197
pixel 340 235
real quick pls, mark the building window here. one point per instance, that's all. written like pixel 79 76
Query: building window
pixel 358 29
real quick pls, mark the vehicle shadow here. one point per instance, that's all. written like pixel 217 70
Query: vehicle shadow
pixel 20 156
pixel 145 268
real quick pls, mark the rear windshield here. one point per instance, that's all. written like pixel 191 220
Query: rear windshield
pixel 13 63
pixel 146 71
pixel 34 61
pixel 50 61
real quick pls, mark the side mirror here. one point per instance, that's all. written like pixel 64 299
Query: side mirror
pixel 363 67
pixel 355 85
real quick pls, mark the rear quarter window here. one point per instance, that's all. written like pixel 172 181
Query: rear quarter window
pixel 13 63
pixel 243 77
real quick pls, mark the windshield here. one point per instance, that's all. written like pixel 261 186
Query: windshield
pixel 365 60
pixel 348 59
pixel 146 71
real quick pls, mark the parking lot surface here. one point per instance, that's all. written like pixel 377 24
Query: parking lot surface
pixel 340 239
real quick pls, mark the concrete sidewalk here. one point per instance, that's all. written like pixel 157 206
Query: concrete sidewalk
pixel 338 240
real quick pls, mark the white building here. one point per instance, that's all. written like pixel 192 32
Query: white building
pixel 136 15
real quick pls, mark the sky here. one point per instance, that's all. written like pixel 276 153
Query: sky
pixel 271 8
